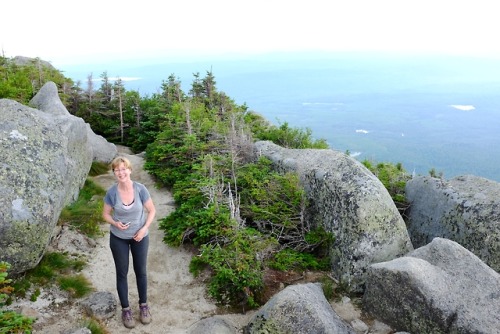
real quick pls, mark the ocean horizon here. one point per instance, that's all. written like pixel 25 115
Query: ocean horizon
pixel 425 112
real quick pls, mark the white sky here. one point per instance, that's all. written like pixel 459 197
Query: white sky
pixel 72 32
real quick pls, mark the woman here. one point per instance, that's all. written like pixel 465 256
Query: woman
pixel 125 206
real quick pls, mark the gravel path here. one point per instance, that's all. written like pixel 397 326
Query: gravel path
pixel 177 300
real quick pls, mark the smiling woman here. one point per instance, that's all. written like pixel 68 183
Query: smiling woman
pixel 129 209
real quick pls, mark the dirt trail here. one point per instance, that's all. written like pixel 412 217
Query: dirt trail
pixel 176 299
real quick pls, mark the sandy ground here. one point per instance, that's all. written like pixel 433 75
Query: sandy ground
pixel 176 299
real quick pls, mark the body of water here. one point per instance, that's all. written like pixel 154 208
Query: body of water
pixel 427 112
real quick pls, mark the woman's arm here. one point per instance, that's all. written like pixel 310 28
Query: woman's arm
pixel 106 214
pixel 150 207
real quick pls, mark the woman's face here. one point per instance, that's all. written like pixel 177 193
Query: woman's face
pixel 122 173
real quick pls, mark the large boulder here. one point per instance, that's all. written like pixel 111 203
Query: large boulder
pixel 47 100
pixel 24 61
pixel 346 199
pixel 439 288
pixel 465 209
pixel 45 159
pixel 300 308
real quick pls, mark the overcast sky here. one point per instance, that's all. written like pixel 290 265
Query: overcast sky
pixel 72 32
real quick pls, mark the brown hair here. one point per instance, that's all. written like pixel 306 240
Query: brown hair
pixel 118 160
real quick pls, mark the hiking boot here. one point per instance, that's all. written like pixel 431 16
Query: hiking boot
pixel 145 314
pixel 128 320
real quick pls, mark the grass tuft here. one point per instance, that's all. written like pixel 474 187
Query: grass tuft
pixel 95 326
pixel 77 285
pixel 86 213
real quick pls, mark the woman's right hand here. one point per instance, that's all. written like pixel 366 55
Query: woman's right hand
pixel 121 225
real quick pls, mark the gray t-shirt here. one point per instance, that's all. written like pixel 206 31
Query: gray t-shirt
pixel 133 213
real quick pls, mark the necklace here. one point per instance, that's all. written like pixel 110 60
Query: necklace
pixel 130 203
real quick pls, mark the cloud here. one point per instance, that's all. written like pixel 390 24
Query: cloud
pixel 355 154
pixel 464 107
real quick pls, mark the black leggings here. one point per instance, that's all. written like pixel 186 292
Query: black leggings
pixel 120 249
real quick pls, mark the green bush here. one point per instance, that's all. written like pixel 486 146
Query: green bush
pixel 328 286
pixel 21 286
pixel 195 224
pixel 290 259
pixel 35 295
pixel 95 326
pixel 394 178
pixel 274 203
pixel 10 321
pixel 268 197
pixel 13 322
pixel 5 288
pixel 237 273
pixel 289 137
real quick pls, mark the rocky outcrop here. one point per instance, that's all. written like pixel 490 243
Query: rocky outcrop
pixel 47 100
pixel 348 200
pixel 45 158
pixel 465 209
pixel 24 61
pixel 439 288
pixel 300 308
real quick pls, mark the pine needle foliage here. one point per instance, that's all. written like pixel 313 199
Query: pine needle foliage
pixel 230 205
pixel 394 178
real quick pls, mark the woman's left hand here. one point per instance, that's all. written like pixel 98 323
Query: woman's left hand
pixel 139 235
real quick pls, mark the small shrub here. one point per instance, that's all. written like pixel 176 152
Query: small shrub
pixel 434 173
pixel 35 295
pixel 394 178
pixel 5 288
pixel 237 274
pixel 21 286
pixel 10 321
pixel 328 286
pixel 289 259
pixel 95 326
pixel 13 322
pixel 289 137
pixel 197 265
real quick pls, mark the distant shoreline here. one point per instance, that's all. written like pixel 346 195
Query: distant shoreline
pixel 425 112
